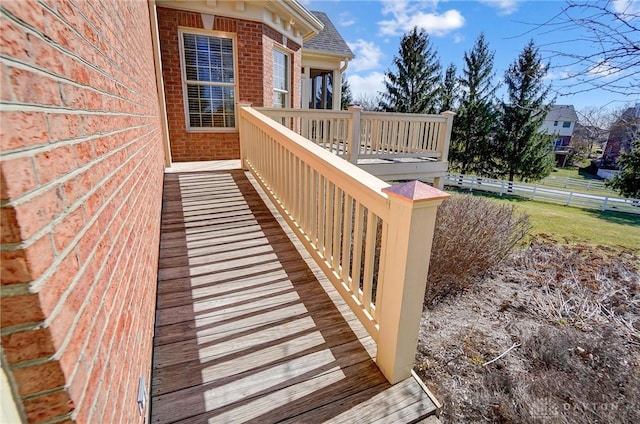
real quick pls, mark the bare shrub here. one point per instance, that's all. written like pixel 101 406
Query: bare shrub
pixel 472 235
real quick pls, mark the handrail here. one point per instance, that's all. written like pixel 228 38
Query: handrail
pixel 371 240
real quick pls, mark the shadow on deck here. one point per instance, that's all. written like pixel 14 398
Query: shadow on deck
pixel 245 332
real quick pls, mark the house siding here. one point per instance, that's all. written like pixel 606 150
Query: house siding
pixel 81 185
pixel 255 43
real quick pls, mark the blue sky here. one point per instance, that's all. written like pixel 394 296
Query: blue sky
pixel 373 30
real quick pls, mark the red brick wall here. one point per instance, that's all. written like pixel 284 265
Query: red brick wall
pixel 270 40
pixel 253 76
pixel 81 185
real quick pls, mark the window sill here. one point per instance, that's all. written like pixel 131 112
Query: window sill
pixel 212 130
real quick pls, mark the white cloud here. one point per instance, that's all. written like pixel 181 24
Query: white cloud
pixel 368 55
pixel 366 86
pixel 458 38
pixel 505 7
pixel 405 15
pixel 559 75
pixel 603 70
pixel 628 9
pixel 346 19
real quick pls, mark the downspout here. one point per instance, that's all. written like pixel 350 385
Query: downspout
pixel 157 59
pixel 337 99
pixel 346 63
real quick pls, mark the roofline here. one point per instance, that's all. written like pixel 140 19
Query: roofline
pixel 296 8
pixel 306 13
pixel 298 23
pixel 306 50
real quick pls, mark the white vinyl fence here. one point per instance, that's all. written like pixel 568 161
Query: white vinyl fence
pixel 575 184
pixel 543 193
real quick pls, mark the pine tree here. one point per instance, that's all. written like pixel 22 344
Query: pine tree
pixel 472 149
pixel 627 182
pixel 414 87
pixel 449 91
pixel 523 150
pixel 346 99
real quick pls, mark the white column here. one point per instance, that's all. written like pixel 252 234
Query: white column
pixel 304 95
pixel 337 89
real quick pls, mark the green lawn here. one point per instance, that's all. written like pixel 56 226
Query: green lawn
pixel 573 225
pixel 573 173
pixel 584 177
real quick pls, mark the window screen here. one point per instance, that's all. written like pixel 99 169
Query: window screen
pixel 280 79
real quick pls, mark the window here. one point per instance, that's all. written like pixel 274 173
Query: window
pixel 208 76
pixel 280 79
pixel 555 123
pixel 566 124
pixel 321 89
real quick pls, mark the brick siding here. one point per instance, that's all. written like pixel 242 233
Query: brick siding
pixel 81 185
pixel 254 73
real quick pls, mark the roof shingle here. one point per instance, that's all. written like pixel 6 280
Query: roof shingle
pixel 329 39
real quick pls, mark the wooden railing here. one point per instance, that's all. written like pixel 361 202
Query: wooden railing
pixel 355 134
pixel 371 240
pixel 329 129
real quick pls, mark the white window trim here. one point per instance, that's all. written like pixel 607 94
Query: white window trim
pixel 289 54
pixel 183 75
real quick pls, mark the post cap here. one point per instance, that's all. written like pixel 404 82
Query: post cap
pixel 415 191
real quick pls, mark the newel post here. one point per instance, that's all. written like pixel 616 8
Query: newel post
pixel 354 146
pixel 444 143
pixel 405 262
pixel 243 134
pixel 446 136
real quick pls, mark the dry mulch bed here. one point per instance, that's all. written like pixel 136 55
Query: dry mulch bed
pixel 571 317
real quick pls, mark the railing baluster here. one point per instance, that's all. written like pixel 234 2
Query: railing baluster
pixel 402 137
pixel 315 188
pixel 306 203
pixel 337 214
pixel 322 211
pixel 356 253
pixel 347 239
pixel 329 209
pixel 370 254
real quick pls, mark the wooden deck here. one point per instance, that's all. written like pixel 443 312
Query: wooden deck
pixel 245 329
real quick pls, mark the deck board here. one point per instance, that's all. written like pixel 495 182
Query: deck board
pixel 245 331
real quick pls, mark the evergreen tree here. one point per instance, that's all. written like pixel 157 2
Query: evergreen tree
pixel 414 87
pixel 347 97
pixel 627 182
pixel 449 91
pixel 523 150
pixel 472 149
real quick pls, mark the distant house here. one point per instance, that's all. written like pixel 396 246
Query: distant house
pixel 596 136
pixel 623 132
pixel 560 123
